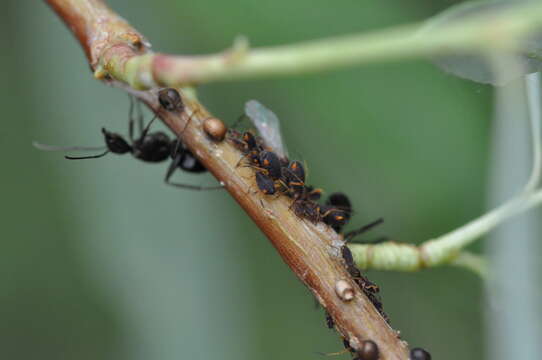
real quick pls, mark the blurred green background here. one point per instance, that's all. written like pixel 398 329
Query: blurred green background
pixel 100 260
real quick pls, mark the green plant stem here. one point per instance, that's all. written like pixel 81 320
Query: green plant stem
pixel 496 31
pixel 475 263
pixel 444 249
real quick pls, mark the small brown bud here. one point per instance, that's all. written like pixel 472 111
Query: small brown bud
pixel 215 128
pixel 368 351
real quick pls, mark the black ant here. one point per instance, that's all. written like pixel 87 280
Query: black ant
pixel 152 147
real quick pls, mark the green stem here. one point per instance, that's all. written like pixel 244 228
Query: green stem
pixel 497 31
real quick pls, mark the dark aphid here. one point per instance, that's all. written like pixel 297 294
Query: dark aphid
pixel 247 143
pixel 313 194
pixel 296 173
pixel 170 99
pixel 329 321
pixel 349 262
pixel 334 217
pixel 306 209
pixel 250 140
pixel 339 210
pixel 368 286
pixel 368 351
pixel 293 177
pixel 215 128
pixel 342 202
pixel 270 162
pixel 265 183
pixel 419 354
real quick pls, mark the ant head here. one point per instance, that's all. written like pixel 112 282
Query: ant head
pixel 170 99
pixel 154 147
pixel 116 143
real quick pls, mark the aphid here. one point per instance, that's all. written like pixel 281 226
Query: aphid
pixel 215 128
pixel 270 162
pixel 368 351
pixel 152 147
pixel 170 99
pixel 419 354
pixel 349 262
pixel 248 145
pixel 369 288
pixel 265 183
pixel 268 126
pixel 329 321
pixel 334 217
pixel 306 209
pixel 340 202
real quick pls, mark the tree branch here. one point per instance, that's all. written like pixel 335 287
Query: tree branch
pixel 495 31
pixel 116 52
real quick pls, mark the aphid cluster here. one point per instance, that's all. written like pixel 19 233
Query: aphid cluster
pixel 275 174
pixel 152 147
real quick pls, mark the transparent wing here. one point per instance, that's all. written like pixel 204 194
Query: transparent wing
pixel 268 126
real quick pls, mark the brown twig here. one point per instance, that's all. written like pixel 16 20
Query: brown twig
pixel 311 251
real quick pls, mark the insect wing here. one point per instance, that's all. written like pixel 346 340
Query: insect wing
pixel 268 126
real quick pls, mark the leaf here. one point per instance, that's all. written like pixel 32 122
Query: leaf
pixel 476 67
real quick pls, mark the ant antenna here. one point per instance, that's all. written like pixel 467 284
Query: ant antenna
pixel 87 157
pixel 369 226
pixel 189 120
pixel 238 121
pixel 333 353
pixel 45 147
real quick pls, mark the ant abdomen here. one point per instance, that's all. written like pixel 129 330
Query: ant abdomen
pixel 116 143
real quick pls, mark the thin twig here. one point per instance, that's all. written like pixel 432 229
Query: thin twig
pixel 311 251
pixel 496 31
pixel 475 263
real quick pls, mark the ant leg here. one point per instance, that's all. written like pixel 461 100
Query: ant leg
pixel 139 116
pixel 188 121
pixel 171 169
pixel 333 353
pixel 146 130
pixel 87 157
pixel 352 234
pixel 131 119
